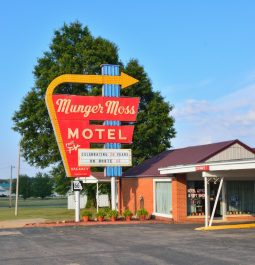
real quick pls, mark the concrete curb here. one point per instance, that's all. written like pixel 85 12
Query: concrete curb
pixel 93 223
pixel 40 222
pixel 223 227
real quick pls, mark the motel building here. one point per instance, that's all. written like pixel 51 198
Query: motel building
pixel 205 183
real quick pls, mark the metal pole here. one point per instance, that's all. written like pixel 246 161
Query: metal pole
pixel 224 200
pixel 216 201
pixel 97 197
pixel 17 185
pixel 113 192
pixel 206 200
pixel 112 91
pixel 77 206
pixel 10 191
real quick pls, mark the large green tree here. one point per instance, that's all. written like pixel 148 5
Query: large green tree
pixel 75 50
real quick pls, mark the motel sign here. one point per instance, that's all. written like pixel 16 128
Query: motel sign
pixel 72 119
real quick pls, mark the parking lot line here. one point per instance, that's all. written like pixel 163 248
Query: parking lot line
pixel 223 227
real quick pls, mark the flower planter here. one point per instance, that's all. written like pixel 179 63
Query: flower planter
pixel 128 218
pixel 113 219
pixel 142 217
pixel 100 218
pixel 85 218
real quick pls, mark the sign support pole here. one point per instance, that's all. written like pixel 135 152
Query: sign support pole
pixel 112 91
pixel 77 206
pixel 113 192
pixel 97 196
pixel 77 187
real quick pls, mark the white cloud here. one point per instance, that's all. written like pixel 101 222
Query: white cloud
pixel 226 118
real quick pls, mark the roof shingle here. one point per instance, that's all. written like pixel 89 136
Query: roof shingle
pixel 182 156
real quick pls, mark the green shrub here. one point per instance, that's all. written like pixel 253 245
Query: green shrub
pixel 113 213
pixel 107 210
pixel 86 213
pixel 127 212
pixel 101 213
pixel 142 211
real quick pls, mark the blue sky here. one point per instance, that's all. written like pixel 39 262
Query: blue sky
pixel 199 54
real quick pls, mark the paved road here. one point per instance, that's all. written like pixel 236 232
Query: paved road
pixel 148 244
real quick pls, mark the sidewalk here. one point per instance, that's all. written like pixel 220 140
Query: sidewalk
pixel 20 222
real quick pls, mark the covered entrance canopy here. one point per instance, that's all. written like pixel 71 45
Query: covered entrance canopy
pixel 218 173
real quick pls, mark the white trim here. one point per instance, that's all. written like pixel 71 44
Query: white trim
pixel 163 180
pixel 169 180
pixel 163 215
pixel 214 166
pixel 206 200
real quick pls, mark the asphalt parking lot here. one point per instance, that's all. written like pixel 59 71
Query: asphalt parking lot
pixel 126 244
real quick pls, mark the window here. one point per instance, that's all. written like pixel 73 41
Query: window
pixel 163 197
pixel 240 197
pixel 196 198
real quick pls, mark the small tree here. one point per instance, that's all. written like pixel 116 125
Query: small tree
pixel 42 185
pixel 90 191
pixel 25 186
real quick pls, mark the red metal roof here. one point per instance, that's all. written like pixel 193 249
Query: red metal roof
pixel 181 156
pixel 98 175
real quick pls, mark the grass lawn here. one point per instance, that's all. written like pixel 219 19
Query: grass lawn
pixel 50 213
pixel 35 202
pixel 52 209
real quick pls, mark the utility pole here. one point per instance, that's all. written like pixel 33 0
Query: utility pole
pixel 10 196
pixel 17 185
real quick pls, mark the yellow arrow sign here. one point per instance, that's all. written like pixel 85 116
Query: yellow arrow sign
pixel 124 80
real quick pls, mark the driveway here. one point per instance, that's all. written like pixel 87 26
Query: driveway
pixel 142 244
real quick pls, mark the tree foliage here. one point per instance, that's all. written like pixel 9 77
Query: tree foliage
pixel 75 50
pixel 62 184
pixel 42 185
pixel 25 186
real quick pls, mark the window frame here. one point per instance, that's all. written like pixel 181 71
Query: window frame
pixel 155 180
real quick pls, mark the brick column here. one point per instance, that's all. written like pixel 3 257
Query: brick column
pixel 179 193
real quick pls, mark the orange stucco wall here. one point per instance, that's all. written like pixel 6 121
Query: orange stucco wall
pixel 179 197
pixel 136 193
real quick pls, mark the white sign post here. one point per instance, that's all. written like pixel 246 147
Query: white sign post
pixel 77 187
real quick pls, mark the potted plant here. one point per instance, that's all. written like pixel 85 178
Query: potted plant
pixel 100 215
pixel 113 214
pixel 86 215
pixel 142 213
pixel 127 214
